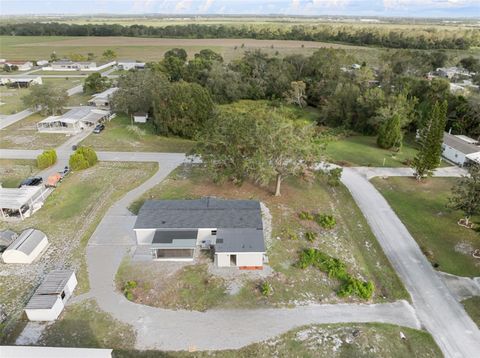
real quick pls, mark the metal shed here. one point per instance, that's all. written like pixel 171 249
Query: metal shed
pixel 50 297
pixel 26 247
pixel 19 200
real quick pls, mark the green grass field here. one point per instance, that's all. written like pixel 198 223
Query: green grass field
pixel 121 135
pixel 13 171
pixel 472 306
pixel 421 207
pixel 363 151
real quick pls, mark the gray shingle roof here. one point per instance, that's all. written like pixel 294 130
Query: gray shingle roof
pixel 50 289
pixel 27 241
pixel 460 144
pixel 239 240
pixel 201 213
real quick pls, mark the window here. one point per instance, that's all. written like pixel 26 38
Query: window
pixel 63 295
pixel 214 232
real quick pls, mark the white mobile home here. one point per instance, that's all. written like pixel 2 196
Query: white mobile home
pixel 102 100
pixel 20 202
pixel 130 65
pixel 460 149
pixel 53 352
pixel 66 65
pixel 50 297
pixel 74 121
pixel 26 247
pixel 174 229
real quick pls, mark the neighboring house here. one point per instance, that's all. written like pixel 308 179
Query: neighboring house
pixel 21 65
pixel 460 149
pixel 26 247
pixel 450 72
pixel 130 65
pixel 50 297
pixel 102 99
pixel 140 117
pixel 20 202
pixel 74 121
pixel 66 65
pixel 42 63
pixel 174 229
pixel 22 82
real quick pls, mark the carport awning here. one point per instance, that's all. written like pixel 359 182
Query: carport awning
pixel 15 198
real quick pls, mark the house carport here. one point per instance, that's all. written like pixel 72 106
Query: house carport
pixel 15 199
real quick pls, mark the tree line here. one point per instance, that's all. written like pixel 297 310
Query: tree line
pixel 411 38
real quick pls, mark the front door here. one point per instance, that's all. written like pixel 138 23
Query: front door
pixel 233 260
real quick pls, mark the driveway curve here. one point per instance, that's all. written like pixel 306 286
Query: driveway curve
pixel 165 329
pixel 453 330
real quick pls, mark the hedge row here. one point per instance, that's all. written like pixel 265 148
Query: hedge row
pixel 336 269
pixel 83 158
pixel 46 159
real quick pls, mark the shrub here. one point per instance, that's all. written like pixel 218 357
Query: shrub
pixel 83 158
pixel 292 235
pixel 334 176
pixel 305 215
pixel 127 289
pixel 310 236
pixel 46 159
pixel 266 289
pixel 326 221
pixel 335 268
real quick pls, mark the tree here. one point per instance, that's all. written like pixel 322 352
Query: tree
pixel 95 83
pixel 53 56
pixel 264 145
pixel 466 194
pixel 137 91
pixel 182 109
pixel 109 54
pixel 390 134
pixel 470 63
pixel 431 138
pixel 296 94
pixel 77 57
pixel 224 84
pixel 47 98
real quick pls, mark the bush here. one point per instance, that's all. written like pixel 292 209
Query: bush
pixel 83 158
pixel 46 159
pixel 292 235
pixel 326 221
pixel 310 236
pixel 266 289
pixel 127 289
pixel 305 215
pixel 334 176
pixel 336 269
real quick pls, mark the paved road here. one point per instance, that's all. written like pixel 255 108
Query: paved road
pixel 453 330
pixel 215 329
pixel 13 118
pixel 371 172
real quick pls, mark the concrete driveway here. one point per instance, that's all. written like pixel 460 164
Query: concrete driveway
pixel 453 330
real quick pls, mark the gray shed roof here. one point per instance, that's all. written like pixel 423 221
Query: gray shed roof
pixel 27 241
pixel 167 237
pixel 239 240
pixel 7 237
pixel 201 213
pixel 49 290
pixel 459 144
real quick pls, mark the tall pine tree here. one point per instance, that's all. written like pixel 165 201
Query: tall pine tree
pixel 431 138
pixel 390 134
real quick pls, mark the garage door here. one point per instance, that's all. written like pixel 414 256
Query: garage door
pixel 174 253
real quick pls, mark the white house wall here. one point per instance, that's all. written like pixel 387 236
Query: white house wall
pixel 46 314
pixel 70 286
pixel 243 258
pixel 453 155
pixel 205 234
pixel 144 236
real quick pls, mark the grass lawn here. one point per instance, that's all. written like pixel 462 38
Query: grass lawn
pixel 63 83
pixel 13 171
pixel 121 135
pixel 421 207
pixel 326 340
pixel 79 99
pixel 69 217
pixel 363 151
pixel 472 306
pixel 85 325
pixel 24 135
pixel 11 99
pixel 351 241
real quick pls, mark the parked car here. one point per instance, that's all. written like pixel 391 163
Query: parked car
pixel 32 181
pixel 63 173
pixel 99 128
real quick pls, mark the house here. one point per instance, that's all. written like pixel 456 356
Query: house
pixel 460 149
pixel 74 121
pixel 20 82
pixel 174 229
pixel 130 65
pixel 140 117
pixel 21 65
pixel 67 65
pixel 451 72
pixel 53 352
pixel 50 297
pixel 26 247
pixel 102 99
pixel 20 202
pixel 42 63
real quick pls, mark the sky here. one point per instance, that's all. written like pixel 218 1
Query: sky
pixel 395 8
